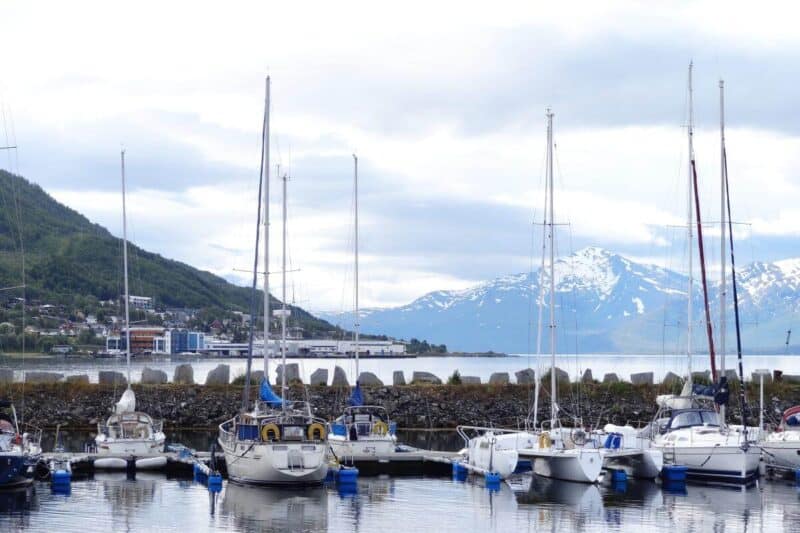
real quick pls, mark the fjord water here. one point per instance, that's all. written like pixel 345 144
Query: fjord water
pixel 483 367
pixel 152 502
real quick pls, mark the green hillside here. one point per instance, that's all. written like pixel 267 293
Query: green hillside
pixel 70 258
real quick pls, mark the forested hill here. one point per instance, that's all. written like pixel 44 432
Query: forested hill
pixel 68 257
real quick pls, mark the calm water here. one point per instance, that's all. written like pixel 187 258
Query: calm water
pixel 111 502
pixel 443 367
pixel 153 502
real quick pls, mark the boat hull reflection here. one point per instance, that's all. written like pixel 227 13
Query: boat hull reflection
pixel 276 509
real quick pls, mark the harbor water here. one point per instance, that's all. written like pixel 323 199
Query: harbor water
pixel 152 502
pixel 483 367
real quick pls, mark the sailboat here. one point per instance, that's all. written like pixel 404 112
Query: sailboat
pixel 688 430
pixel 20 450
pixel 361 430
pixel 560 453
pixel 278 442
pixel 127 432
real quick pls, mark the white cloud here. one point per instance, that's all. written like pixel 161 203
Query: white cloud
pixel 444 102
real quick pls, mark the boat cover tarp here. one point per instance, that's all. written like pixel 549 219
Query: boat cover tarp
pixel 126 403
pixel 268 395
pixel 356 398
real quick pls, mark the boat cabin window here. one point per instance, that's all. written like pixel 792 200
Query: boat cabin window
pixel 293 432
pixel 694 418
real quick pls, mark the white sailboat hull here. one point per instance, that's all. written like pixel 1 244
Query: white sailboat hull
pixel 781 454
pixel 716 463
pixel 367 447
pixel 580 465
pixel 641 464
pixel 107 446
pixel 276 463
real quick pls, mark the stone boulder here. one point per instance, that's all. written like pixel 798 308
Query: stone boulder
pixel 184 374
pixel 498 378
pixel 219 376
pixel 587 376
pixel 111 377
pixel 292 373
pixel 43 377
pixel 6 375
pixel 368 379
pixel 398 378
pixel 339 378
pixel 671 379
pixel 319 377
pixel 256 377
pixel 151 376
pixel 791 378
pixel 561 376
pixel 756 377
pixel 470 380
pixel 526 376
pixel 78 379
pixel 611 377
pixel 642 378
pixel 732 375
pixel 425 377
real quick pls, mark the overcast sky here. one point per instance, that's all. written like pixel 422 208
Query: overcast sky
pixel 444 102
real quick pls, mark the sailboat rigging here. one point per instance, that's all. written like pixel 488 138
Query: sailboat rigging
pixel 278 442
pixel 128 432
pixel 361 430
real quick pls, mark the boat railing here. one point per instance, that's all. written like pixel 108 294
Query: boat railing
pixel 462 431
pixel 33 434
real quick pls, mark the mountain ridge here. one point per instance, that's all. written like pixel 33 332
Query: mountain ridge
pixel 69 259
pixel 605 302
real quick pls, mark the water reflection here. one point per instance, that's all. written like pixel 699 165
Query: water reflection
pixel 15 507
pixel 111 501
pixel 275 509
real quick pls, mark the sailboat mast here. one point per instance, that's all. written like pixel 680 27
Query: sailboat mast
pixel 253 293
pixel 553 385
pixel 285 178
pixel 723 287
pixel 265 201
pixel 689 317
pixel 742 389
pixel 356 325
pixel 125 270
pixel 540 302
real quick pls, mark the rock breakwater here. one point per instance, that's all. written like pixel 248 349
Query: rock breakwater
pixel 81 406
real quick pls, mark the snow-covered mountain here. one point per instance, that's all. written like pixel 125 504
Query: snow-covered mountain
pixel 604 303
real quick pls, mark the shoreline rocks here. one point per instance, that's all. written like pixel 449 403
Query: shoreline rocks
pixel 427 406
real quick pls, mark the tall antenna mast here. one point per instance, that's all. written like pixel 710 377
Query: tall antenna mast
pixel 356 325
pixel 284 311
pixel 723 286
pixel 553 385
pixel 125 269
pixel 265 170
pixel 690 218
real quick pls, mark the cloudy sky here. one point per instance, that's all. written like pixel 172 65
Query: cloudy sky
pixel 444 102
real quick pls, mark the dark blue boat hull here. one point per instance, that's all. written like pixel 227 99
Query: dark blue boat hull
pixel 16 470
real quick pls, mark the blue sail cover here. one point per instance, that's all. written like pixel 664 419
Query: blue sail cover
pixel 267 395
pixel 356 399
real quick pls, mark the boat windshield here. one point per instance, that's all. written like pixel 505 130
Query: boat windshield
pixel 685 419
pixel 792 422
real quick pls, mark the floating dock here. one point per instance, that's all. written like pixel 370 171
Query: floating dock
pixel 404 461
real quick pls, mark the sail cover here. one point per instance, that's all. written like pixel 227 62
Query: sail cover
pixel 127 403
pixel 356 399
pixel 267 395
